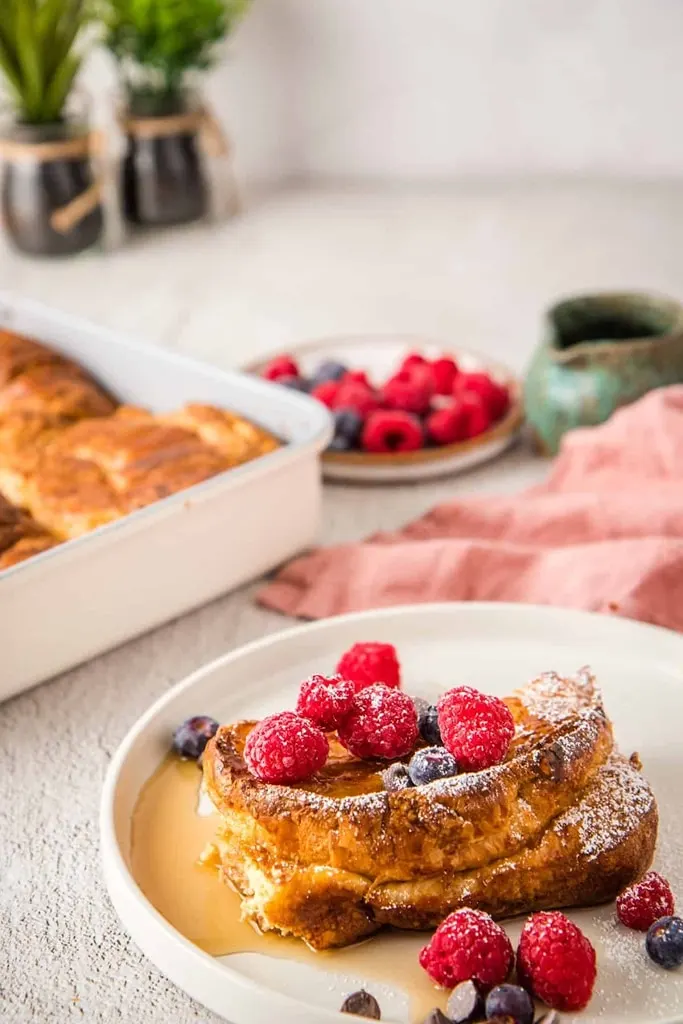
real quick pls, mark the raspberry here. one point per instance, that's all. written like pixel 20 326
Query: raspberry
pixel 409 390
pixel 285 748
pixel 444 372
pixel 389 430
pixel 358 377
pixel 468 946
pixel 447 425
pixel 475 727
pixel 412 360
pixel 382 723
pixel 354 395
pixel 365 664
pixel 326 392
pixel 642 904
pixel 556 961
pixel 477 417
pixel 281 366
pixel 325 700
pixel 494 396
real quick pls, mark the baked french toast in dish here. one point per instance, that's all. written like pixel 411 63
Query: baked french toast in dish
pixel 564 820
pixel 72 458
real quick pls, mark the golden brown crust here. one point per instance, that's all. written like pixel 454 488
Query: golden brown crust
pixel 508 839
pixel 20 536
pixel 35 379
pixel 26 548
pixel 18 354
pixel 76 462
pixel 233 436
pixel 99 469
pixel 23 438
pixel 70 496
pixel 60 391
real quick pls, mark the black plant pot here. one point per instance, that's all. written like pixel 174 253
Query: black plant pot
pixel 163 179
pixel 36 187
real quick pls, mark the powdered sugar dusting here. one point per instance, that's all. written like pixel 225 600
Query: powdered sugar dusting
pixel 612 810
pixel 625 969
pixel 553 699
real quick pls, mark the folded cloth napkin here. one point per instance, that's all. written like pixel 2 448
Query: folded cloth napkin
pixel 604 533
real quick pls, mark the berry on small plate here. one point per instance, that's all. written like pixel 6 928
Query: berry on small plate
pixel 405 408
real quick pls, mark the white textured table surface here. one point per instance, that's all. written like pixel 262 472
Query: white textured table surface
pixel 478 267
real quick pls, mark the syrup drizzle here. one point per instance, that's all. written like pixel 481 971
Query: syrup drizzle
pixel 168 838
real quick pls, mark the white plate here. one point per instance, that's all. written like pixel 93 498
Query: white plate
pixel 496 647
pixel 380 355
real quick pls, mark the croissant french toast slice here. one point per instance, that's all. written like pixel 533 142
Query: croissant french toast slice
pixel 587 855
pixel 336 858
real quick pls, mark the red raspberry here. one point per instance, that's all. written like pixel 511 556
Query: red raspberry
pixel 475 727
pixel 468 946
pixel 389 430
pixel 285 748
pixel 382 723
pixel 327 392
pixel 412 360
pixel 354 395
pixel 359 377
pixel 325 700
pixel 447 425
pixel 281 366
pixel 409 390
pixel 444 372
pixel 642 904
pixel 494 396
pixel 477 417
pixel 556 961
pixel 365 664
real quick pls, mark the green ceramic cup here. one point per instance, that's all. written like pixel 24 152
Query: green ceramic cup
pixel 599 352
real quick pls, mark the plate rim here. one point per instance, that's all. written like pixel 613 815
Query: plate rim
pixel 118 876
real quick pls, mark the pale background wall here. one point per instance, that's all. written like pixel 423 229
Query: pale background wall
pixel 400 89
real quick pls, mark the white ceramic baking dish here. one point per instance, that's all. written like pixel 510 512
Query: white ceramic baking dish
pixel 88 595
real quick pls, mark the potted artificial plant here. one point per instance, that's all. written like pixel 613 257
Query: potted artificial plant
pixel 159 45
pixel 50 201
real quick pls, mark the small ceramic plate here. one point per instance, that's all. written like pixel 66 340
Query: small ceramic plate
pixel 497 647
pixel 379 356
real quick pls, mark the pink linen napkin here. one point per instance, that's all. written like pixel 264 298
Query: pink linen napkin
pixel 604 533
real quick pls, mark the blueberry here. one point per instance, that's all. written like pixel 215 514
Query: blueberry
pixel 465 1003
pixel 295 383
pixel 191 737
pixel 396 777
pixel 431 763
pixel 348 424
pixel 428 724
pixel 329 370
pixel 421 705
pixel 437 1017
pixel 339 444
pixel 664 942
pixel 510 1001
pixel 362 1004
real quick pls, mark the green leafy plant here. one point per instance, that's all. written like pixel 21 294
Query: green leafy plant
pixel 158 41
pixel 38 54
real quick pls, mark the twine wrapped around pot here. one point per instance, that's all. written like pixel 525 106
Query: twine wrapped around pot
pixel 214 147
pixel 89 146
pixel 202 122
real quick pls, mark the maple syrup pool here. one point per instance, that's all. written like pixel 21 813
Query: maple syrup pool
pixel 169 835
